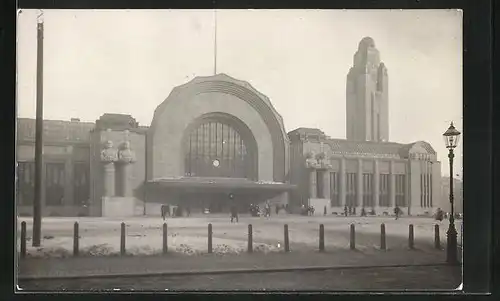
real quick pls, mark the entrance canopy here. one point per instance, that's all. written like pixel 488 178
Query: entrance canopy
pixel 195 184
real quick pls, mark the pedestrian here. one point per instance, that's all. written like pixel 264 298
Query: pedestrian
pixel 324 211
pixel 234 213
pixel 363 211
pixel 345 210
pixel 277 209
pixel 396 211
pixel 163 212
pixel 439 214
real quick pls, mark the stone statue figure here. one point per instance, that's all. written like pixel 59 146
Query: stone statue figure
pixel 126 155
pixel 311 161
pixel 323 160
pixel 108 154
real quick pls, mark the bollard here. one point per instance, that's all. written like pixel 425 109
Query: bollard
pixel 76 241
pixel 122 239
pixel 165 240
pixel 287 242
pixel 321 238
pixel 437 240
pixel 382 237
pixel 250 239
pixel 410 237
pixel 353 237
pixel 209 238
pixel 23 239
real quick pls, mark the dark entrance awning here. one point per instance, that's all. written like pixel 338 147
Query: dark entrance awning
pixel 220 184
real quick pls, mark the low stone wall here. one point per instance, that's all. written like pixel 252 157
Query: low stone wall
pixel 118 206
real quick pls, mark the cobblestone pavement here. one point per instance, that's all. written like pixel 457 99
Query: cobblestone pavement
pixel 399 279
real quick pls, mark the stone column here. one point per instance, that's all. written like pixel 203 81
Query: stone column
pixel 109 179
pixel 312 183
pixel 108 158
pixel 376 183
pixel 126 175
pixel 326 184
pixel 392 185
pixel 343 183
pixel 359 188
pixel 126 158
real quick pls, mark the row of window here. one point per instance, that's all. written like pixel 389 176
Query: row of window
pixel 368 199
pixel 55 176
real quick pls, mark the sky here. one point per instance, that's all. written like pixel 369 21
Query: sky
pixel 126 61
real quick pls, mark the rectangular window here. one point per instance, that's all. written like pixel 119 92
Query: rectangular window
pixel 351 198
pixel 81 188
pixel 54 184
pixel 320 194
pixel 334 190
pixel 426 186
pixel 401 190
pixel 368 190
pixel 430 189
pixel 25 183
pixel 422 193
pixel 426 190
pixel 384 190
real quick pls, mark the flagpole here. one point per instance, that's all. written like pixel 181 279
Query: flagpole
pixel 37 204
pixel 215 44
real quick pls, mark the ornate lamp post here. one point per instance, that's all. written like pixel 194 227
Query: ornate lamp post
pixel 451 138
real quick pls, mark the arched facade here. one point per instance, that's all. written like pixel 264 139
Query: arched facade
pixel 222 100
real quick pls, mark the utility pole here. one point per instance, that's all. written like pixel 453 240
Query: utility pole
pixel 37 204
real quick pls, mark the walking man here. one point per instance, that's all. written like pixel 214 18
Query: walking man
pixel 164 211
pixel 234 213
pixel 396 211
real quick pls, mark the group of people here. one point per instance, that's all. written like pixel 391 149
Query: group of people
pixel 256 211
pixel 172 211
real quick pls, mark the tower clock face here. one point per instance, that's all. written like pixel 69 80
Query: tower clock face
pixel 216 163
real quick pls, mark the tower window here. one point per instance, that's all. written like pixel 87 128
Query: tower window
pixel 378 127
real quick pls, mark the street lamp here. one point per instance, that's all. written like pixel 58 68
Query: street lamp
pixel 451 138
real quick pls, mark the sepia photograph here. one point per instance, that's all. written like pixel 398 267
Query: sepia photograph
pixel 239 150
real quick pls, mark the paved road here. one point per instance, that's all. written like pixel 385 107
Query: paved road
pixel 401 278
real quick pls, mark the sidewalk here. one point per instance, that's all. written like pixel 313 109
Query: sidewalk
pixel 179 264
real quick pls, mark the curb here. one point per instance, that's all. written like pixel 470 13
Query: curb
pixel 219 272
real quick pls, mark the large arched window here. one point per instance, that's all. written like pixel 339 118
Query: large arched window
pixel 216 147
